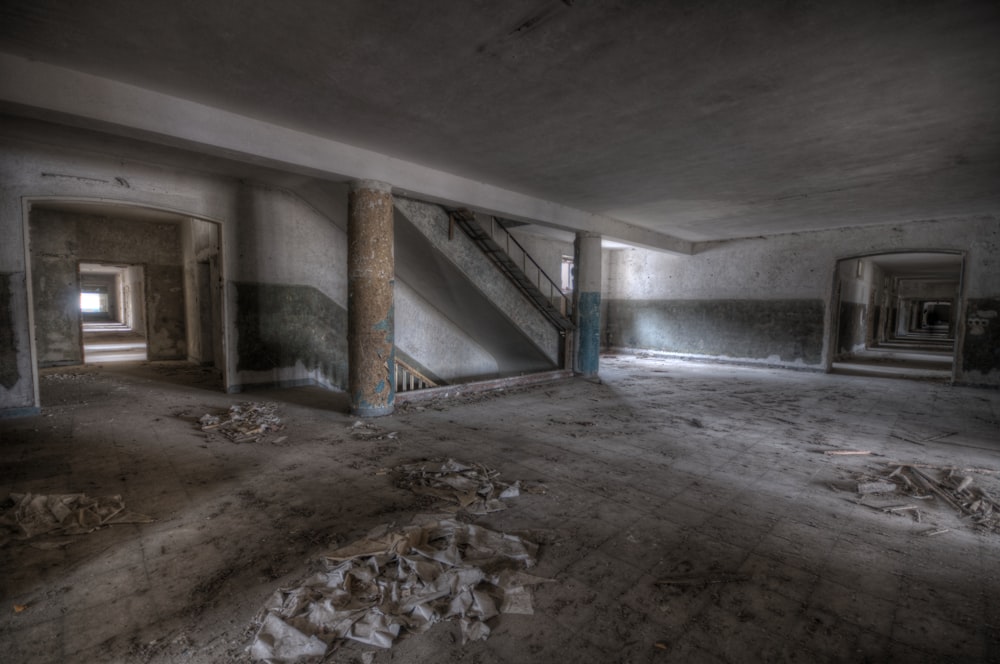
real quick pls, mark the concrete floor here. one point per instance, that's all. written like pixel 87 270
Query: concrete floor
pixel 665 469
pixel 113 342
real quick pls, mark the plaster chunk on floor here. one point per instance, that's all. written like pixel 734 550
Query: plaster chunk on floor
pixel 471 487
pixel 30 515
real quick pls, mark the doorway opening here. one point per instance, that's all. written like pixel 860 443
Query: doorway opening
pixel 112 328
pixel 117 283
pixel 896 314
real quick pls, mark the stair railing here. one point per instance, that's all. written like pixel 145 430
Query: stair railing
pixel 555 292
pixel 406 378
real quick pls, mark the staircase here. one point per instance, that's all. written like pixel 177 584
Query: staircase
pixel 511 258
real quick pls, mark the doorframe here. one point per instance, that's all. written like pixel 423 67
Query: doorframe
pixel 28 202
pixel 833 303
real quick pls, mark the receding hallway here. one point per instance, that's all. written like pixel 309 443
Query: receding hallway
pixel 664 469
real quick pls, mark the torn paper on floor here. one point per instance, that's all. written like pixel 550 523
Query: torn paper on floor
pixel 246 422
pixel 62 514
pixel 400 581
pixel 472 487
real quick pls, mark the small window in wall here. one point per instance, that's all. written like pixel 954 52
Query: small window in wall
pixel 566 273
pixel 94 302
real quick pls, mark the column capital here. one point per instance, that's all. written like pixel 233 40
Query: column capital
pixel 588 234
pixel 371 185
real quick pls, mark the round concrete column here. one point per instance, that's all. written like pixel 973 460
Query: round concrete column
pixel 587 263
pixel 370 278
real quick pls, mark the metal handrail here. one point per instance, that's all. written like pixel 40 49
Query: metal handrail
pixel 525 256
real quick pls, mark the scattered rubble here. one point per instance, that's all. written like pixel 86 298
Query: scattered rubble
pixel 473 487
pixel 29 515
pixel 246 422
pixel 397 581
pixel 362 430
pixel 953 486
pixel 70 377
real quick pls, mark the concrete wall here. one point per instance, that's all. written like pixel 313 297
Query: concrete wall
pixel 290 290
pixel 425 334
pixel 766 299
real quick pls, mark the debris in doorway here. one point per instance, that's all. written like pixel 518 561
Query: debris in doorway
pixel 396 581
pixel 28 515
pixel 246 422
pixel 473 487
pixel 367 431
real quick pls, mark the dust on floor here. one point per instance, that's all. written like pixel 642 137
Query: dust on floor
pixel 688 516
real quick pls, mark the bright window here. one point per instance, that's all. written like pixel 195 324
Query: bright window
pixel 93 303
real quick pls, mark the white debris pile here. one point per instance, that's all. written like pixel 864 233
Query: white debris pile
pixel 245 422
pixel 396 582
pixel 955 487
pixel 473 487
pixel 29 515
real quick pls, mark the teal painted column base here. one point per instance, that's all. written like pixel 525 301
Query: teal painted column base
pixel 588 334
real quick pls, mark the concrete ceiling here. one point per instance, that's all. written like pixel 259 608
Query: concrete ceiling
pixel 700 120
pixel 921 265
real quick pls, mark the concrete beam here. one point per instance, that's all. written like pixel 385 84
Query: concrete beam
pixel 40 90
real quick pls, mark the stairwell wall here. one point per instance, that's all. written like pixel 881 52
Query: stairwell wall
pixel 433 223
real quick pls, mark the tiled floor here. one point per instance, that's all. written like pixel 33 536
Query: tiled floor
pixel 710 477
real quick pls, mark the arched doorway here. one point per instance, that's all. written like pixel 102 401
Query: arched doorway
pixel 897 314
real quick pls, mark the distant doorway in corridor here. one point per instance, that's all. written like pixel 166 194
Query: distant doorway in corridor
pixel 112 306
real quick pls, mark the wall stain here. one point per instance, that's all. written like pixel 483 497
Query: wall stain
pixel 280 325
pixel 981 348
pixel 851 327
pixel 8 340
pixel 791 330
